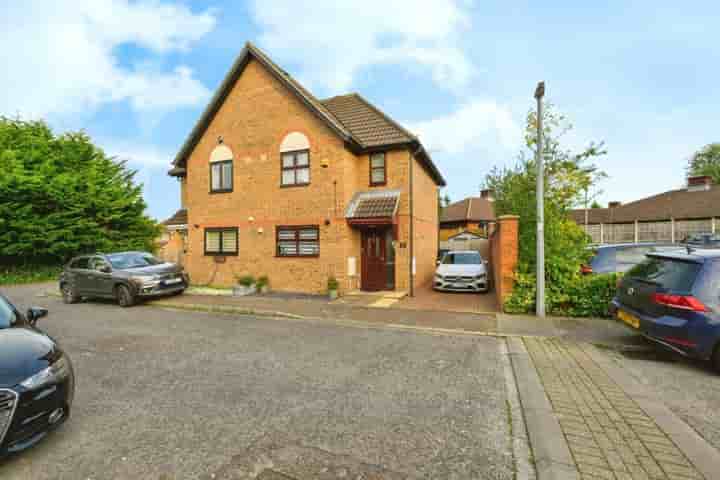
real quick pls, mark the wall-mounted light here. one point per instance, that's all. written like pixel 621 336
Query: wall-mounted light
pixel 327 222
pixel 260 230
pixel 220 139
pixel 251 219
pixel 324 163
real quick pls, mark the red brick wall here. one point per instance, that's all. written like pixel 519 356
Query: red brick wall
pixel 504 252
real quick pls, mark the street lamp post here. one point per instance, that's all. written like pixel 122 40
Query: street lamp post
pixel 540 299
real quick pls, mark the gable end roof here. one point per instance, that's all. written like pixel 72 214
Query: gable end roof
pixel 471 209
pixel 360 124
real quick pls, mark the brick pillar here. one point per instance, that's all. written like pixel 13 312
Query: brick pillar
pixel 504 251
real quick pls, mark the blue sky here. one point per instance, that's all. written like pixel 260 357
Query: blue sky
pixel 642 76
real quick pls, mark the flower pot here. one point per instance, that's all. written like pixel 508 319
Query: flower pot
pixel 242 290
pixel 332 294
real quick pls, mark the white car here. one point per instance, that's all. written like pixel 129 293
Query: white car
pixel 461 271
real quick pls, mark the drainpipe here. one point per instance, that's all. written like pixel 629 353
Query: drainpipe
pixel 411 243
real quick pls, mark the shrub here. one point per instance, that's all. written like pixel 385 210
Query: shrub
pixel 12 275
pixel 246 280
pixel 263 281
pixel 581 296
pixel 332 284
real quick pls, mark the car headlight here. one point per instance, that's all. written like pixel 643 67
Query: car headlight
pixel 56 372
pixel 145 280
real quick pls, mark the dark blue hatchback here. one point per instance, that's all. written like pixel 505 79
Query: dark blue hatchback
pixel 673 298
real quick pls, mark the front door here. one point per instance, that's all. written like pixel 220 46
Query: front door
pixel 373 272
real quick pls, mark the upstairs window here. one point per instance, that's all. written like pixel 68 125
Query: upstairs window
pixel 221 170
pixel 221 241
pixel 295 168
pixel 303 241
pixel 378 172
pixel 294 160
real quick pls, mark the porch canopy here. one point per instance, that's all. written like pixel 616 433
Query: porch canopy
pixel 375 208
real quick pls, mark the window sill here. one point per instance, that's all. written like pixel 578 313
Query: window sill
pixel 224 190
pixel 297 256
pixel 221 254
pixel 295 185
pixel 383 184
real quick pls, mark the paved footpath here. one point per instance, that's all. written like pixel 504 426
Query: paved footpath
pixel 608 434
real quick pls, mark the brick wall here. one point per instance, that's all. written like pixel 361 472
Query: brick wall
pixel 253 120
pixel 425 225
pixel 504 253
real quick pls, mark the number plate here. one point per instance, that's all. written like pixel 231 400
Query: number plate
pixel 173 281
pixel 631 320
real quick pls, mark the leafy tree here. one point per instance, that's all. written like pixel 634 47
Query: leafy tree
pixel 595 204
pixel 706 161
pixel 60 195
pixel 568 176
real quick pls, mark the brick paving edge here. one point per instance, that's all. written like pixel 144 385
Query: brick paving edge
pixel 553 460
pixel 704 456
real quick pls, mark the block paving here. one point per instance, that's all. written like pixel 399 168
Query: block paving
pixel 609 436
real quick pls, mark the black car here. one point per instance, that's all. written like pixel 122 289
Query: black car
pixel 124 276
pixel 37 383
pixel 703 240
pixel 620 258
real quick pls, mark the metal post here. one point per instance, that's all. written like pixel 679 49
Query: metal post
pixel 540 300
pixel 411 243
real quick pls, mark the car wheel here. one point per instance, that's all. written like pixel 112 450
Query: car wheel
pixel 124 296
pixel 716 358
pixel 68 293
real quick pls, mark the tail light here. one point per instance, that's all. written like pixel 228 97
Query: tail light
pixel 684 302
pixel 586 269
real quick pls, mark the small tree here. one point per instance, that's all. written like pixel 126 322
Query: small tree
pixel 61 195
pixel 568 176
pixel 706 161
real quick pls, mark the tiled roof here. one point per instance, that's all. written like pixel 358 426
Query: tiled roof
pixel 379 203
pixel 367 124
pixel 178 218
pixel 681 204
pixel 360 124
pixel 471 209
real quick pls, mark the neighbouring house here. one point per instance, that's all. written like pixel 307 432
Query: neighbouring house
pixel 172 243
pixel 475 215
pixel 277 182
pixel 667 217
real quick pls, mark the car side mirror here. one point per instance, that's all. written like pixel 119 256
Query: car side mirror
pixel 106 269
pixel 35 313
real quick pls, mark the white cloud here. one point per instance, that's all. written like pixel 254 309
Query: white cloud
pixel 336 40
pixel 478 124
pixel 61 57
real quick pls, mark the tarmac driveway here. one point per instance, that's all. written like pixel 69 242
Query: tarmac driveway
pixel 170 394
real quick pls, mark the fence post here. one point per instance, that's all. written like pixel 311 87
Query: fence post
pixel 712 222
pixel 672 230
pixel 602 233
pixel 636 231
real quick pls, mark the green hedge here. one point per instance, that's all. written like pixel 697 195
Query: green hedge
pixel 13 275
pixel 580 296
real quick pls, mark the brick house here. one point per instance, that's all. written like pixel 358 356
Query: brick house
pixel 475 215
pixel 277 182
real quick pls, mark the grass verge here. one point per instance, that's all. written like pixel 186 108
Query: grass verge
pixel 16 275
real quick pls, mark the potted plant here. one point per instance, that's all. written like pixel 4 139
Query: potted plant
pixel 246 286
pixel 332 288
pixel 263 284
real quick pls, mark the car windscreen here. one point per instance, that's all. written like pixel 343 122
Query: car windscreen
pixel 132 260
pixel 465 258
pixel 7 314
pixel 667 273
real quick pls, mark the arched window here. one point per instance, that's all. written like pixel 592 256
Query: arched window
pixel 221 169
pixel 295 160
